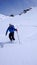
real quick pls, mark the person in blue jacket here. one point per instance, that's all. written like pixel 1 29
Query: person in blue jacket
pixel 11 29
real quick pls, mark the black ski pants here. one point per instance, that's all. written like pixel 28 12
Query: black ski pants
pixel 11 36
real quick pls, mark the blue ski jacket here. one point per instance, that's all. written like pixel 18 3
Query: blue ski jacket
pixel 11 29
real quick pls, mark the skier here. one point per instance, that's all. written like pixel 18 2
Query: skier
pixel 11 29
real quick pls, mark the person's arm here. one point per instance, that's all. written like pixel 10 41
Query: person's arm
pixel 7 31
pixel 15 29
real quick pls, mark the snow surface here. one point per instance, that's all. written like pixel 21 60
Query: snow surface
pixel 24 53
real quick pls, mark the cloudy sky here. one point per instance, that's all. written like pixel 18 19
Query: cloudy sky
pixel 8 7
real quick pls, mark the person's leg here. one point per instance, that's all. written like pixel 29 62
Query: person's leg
pixel 13 36
pixel 10 36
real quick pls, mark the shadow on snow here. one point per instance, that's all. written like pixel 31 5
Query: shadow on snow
pixel 9 42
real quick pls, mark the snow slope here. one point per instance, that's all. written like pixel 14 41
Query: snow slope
pixel 24 53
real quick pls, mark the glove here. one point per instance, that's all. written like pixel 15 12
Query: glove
pixel 16 30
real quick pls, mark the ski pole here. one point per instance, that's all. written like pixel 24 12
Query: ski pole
pixel 18 38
